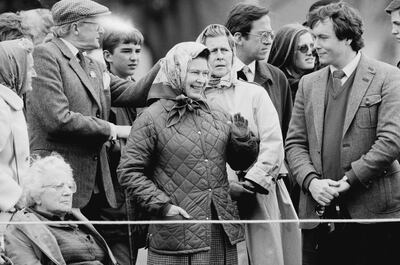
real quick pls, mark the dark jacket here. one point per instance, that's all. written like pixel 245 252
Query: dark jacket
pixel 34 244
pixel 188 169
pixel 273 80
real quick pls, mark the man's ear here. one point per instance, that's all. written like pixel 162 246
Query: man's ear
pixel 348 42
pixel 238 38
pixel 107 56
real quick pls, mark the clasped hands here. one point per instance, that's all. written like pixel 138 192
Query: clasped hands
pixel 325 190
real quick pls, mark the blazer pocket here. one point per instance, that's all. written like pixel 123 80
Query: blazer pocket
pixel 367 114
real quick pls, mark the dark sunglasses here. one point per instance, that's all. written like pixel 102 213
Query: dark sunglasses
pixel 305 48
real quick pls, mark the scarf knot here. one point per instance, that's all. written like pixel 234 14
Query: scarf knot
pixel 183 104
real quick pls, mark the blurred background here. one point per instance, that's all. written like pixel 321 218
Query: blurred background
pixel 166 22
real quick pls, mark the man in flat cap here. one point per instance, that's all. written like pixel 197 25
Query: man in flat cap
pixel 69 106
pixel 393 9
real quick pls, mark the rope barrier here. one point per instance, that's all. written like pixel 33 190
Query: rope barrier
pixel 365 221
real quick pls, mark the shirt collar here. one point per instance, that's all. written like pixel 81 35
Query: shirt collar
pixel 238 65
pixel 71 47
pixel 350 67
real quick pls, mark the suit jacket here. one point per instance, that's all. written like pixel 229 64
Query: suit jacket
pixel 68 109
pixel 275 82
pixel 370 143
pixel 34 244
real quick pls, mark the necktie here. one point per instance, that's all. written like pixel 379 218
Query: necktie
pixel 244 73
pixel 337 83
pixel 241 75
pixel 81 59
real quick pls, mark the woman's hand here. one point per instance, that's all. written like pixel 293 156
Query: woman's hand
pixel 240 126
pixel 175 210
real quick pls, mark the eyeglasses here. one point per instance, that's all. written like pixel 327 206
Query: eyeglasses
pixel 98 26
pixel 264 36
pixel 305 48
pixel 60 187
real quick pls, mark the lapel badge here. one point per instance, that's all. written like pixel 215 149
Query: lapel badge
pixel 92 74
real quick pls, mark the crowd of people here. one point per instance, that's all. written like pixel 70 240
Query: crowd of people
pixel 241 123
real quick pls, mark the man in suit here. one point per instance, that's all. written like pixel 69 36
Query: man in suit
pixel 393 9
pixel 250 25
pixel 342 145
pixel 69 105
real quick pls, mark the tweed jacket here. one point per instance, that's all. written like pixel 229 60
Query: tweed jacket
pixel 184 165
pixel 34 244
pixel 68 109
pixel 273 80
pixel 369 146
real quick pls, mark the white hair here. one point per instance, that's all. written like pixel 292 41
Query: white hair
pixel 40 172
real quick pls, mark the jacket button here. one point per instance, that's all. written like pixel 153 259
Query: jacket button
pixel 209 190
pixel 95 158
pixel 97 114
pixel 205 160
pixel 199 132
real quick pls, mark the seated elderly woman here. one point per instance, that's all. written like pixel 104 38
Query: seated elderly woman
pixel 48 188
pixel 174 164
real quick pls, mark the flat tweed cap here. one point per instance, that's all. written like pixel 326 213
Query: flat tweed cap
pixel 394 5
pixel 68 11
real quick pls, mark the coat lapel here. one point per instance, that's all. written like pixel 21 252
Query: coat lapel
pixel 40 235
pixel 80 217
pixel 362 80
pixel 83 76
pixel 318 101
pixel 262 75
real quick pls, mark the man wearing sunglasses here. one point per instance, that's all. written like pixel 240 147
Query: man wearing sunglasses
pixel 251 27
pixel 342 145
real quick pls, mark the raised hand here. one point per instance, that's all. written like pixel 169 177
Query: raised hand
pixel 240 126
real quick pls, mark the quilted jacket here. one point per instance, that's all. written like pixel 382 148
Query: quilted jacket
pixel 184 165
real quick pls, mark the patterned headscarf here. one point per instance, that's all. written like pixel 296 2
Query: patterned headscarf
pixel 170 80
pixel 175 65
pixel 216 30
pixel 14 64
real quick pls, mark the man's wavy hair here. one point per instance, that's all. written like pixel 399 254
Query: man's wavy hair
pixel 346 21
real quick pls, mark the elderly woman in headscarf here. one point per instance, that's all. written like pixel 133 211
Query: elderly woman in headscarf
pixel 48 189
pixel 293 52
pixel 266 243
pixel 16 72
pixel 174 164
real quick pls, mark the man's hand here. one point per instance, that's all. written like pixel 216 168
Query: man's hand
pixel 324 190
pixel 240 126
pixel 175 210
pixel 122 131
pixel 343 185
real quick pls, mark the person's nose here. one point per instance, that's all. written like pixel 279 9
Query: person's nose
pixel 202 78
pixel 219 54
pixel 395 30
pixel 134 56
pixel 101 30
pixel 317 44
